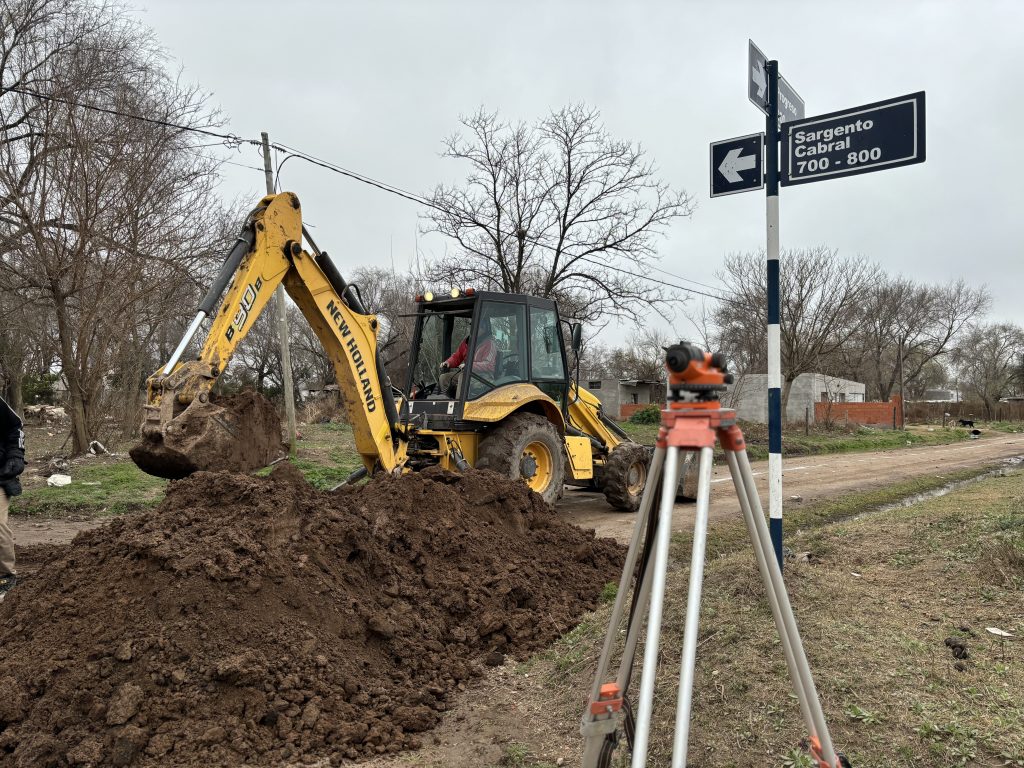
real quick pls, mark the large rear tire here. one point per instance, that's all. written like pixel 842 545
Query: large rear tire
pixel 625 475
pixel 526 447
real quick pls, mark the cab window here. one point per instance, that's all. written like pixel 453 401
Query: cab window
pixel 546 364
pixel 546 345
pixel 499 354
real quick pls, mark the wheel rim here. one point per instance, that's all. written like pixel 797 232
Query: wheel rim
pixel 536 466
pixel 636 478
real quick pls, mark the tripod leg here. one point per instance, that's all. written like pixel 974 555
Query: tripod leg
pixel 643 588
pixel 686 672
pixel 778 598
pixel 657 580
pixel 595 732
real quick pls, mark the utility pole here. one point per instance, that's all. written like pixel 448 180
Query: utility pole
pixel 771 137
pixel 282 319
pixel 903 400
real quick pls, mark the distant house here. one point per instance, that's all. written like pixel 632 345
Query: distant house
pixel 749 395
pixel 940 396
pixel 327 392
pixel 621 398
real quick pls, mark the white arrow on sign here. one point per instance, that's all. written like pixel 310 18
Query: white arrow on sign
pixel 757 75
pixel 733 163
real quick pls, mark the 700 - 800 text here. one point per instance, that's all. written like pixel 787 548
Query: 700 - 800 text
pixel 852 158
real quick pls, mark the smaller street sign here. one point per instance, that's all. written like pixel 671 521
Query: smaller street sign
pixel 736 165
pixel 873 137
pixel 757 77
pixel 791 106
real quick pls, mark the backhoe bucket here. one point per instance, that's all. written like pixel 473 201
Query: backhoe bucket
pixel 239 433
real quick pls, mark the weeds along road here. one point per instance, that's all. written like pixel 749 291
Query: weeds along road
pixel 809 477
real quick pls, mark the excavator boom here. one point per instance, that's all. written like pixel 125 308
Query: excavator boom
pixel 187 429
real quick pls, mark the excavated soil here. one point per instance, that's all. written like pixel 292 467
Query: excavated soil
pixel 259 621
pixel 232 433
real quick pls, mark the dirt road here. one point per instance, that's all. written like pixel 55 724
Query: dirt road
pixel 810 477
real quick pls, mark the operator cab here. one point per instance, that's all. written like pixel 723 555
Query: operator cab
pixel 509 339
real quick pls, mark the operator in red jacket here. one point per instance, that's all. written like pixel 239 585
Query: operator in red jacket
pixel 484 359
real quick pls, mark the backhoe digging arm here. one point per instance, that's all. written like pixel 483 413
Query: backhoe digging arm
pixel 185 431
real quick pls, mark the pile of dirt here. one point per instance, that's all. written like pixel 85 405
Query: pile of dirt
pixel 259 621
pixel 240 433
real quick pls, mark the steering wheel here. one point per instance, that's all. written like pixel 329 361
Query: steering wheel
pixel 509 358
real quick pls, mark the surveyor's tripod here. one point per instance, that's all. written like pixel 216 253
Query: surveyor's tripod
pixel 692 420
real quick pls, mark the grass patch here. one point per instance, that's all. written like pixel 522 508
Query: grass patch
pixel 100 488
pixel 1001 426
pixel 577 649
pixel 326 454
pixel 518 755
pixel 726 536
pixel 609 592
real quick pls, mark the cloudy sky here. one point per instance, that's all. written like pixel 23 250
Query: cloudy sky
pixel 375 86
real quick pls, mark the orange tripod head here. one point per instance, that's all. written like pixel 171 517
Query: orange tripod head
pixel 691 369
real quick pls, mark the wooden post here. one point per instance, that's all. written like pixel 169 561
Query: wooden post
pixel 282 320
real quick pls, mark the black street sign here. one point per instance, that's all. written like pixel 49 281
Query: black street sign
pixel 736 165
pixel 874 137
pixel 757 77
pixel 791 106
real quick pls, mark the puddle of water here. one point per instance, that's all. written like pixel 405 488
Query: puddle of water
pixel 1006 467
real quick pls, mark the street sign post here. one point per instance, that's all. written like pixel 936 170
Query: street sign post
pixel 765 90
pixel 736 165
pixel 873 137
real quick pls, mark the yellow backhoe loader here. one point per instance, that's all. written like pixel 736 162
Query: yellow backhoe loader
pixel 506 401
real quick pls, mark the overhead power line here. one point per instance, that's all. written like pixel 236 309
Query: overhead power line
pixel 228 138
pixel 233 140
pixel 412 196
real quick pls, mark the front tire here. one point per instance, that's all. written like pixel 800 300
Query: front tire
pixel 526 447
pixel 625 475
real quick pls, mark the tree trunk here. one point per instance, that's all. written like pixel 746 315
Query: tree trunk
pixel 787 386
pixel 76 402
pixel 79 428
pixel 13 393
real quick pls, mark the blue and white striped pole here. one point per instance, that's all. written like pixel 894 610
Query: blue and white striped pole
pixel 774 340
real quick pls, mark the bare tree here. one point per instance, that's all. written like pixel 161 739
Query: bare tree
pixel 821 300
pixel 559 209
pixel 642 357
pixel 986 359
pixel 104 219
pixel 391 296
pixel 912 323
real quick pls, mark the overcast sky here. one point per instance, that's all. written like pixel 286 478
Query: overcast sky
pixel 375 86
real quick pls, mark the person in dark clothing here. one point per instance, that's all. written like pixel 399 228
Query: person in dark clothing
pixel 12 464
